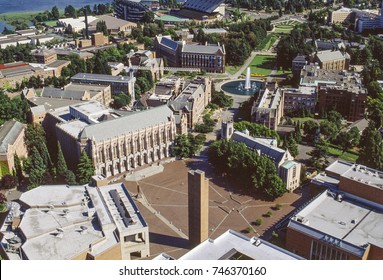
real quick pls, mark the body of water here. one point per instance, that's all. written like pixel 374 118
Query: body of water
pixel 7 6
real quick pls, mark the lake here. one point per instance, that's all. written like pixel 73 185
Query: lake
pixel 7 6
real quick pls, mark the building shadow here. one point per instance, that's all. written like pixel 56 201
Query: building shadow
pixel 168 240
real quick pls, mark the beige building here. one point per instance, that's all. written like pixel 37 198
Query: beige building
pixel 116 143
pixel 44 56
pixel 61 222
pixel 341 15
pixel 332 60
pixel 193 100
pixel 268 107
pixel 287 168
pixel 114 25
pixel 14 73
pixel 11 143
pixel 83 92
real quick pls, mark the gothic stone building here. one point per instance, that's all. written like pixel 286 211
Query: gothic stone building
pixel 116 143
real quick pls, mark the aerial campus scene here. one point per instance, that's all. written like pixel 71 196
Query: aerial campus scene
pixel 191 130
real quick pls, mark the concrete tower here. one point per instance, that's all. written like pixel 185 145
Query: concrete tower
pixel 198 195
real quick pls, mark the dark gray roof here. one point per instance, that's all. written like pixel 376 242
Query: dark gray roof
pixel 100 77
pixel 169 43
pixel 201 49
pixel 207 6
pixel 126 124
pixel 9 132
pixel 272 152
pixel 62 93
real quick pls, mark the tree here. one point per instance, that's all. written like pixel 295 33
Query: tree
pixel 62 167
pixel 37 169
pixel 290 145
pixel 85 169
pixel 55 13
pixel 18 172
pixel 101 27
pixel 70 11
pixel 371 149
pixel 70 178
pixel 310 128
pixel 8 182
pixel 121 100
pixel 34 137
pixel 329 129
pixel 335 117
pixel 148 17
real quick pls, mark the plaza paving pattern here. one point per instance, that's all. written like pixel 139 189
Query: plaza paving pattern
pixel 163 203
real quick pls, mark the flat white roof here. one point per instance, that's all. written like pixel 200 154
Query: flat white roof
pixel 232 242
pixel 61 222
pixel 350 220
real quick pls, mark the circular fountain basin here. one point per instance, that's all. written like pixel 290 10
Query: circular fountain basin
pixel 238 87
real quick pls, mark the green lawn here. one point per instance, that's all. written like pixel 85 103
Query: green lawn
pixel 232 69
pixel 262 65
pixel 283 28
pixel 268 42
pixel 348 156
pixel 51 23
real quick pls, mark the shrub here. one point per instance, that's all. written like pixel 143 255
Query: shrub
pixel 258 222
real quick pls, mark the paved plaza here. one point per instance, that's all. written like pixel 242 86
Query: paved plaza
pixel 163 202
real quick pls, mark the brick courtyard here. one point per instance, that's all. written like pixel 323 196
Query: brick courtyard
pixel 164 206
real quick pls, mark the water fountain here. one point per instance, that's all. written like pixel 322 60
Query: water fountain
pixel 247 82
pixel 242 87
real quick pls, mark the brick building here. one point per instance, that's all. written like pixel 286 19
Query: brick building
pixel 349 100
pixel 344 222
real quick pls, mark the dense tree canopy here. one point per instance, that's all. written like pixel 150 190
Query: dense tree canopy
pixel 246 167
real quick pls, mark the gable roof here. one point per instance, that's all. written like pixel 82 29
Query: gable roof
pixel 9 132
pixel 113 128
pixel 274 153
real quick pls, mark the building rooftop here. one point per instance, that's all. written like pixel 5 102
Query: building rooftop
pixel 137 120
pixel 233 245
pixel 9 132
pixel 265 147
pixel 329 55
pixel 100 77
pixel 61 222
pixel 349 222
pixel 207 6
pixel 51 104
pixel 204 49
pixel 111 22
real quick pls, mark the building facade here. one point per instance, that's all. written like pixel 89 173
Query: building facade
pixel 118 84
pixel 299 98
pixel 193 100
pixel 210 58
pixel 332 60
pixel 115 143
pixel 287 168
pixel 344 222
pixel 61 222
pixel 268 107
pixel 349 100
pixel 11 143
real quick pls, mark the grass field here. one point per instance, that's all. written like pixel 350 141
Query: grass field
pixel 262 65
pixel 21 16
pixel 283 29
pixel 268 42
pixel 348 156
pixel 51 23
pixel 232 69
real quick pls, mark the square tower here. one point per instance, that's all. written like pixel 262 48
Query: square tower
pixel 198 198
